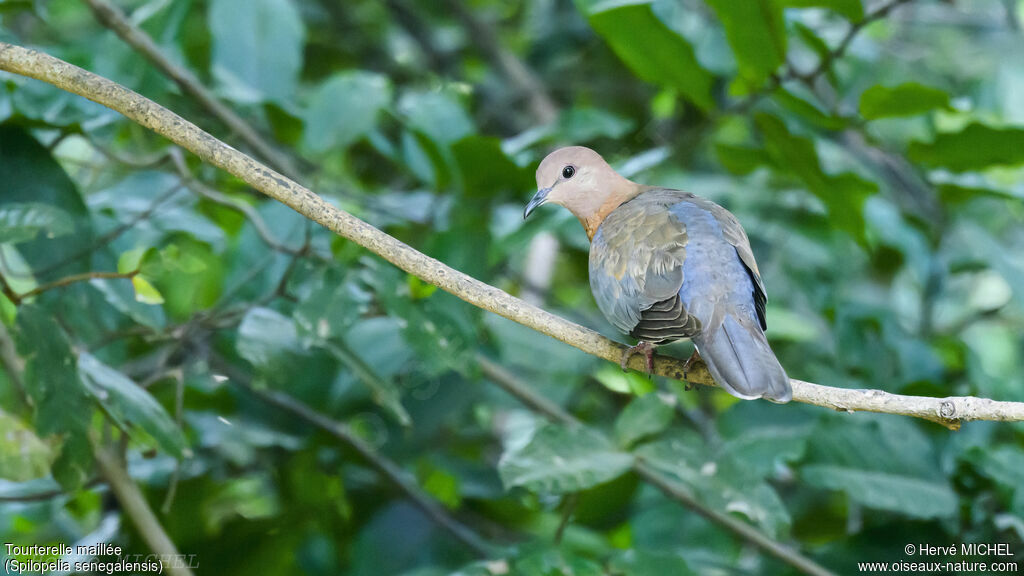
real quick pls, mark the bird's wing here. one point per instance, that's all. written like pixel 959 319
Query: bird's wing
pixel 636 269
pixel 735 235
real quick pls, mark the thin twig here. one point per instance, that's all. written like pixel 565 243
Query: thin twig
pixel 115 233
pixel 389 470
pixel 112 17
pixel 250 213
pixel 949 412
pixel 824 64
pixel 527 396
pixel 526 82
pixel 47 494
pixel 16 298
pixel 135 506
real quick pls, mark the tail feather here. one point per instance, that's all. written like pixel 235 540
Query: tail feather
pixel 740 360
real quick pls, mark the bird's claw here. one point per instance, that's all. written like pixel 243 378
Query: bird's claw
pixel 642 347
pixel 695 357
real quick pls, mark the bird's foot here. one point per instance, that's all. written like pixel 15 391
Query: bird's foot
pixel 695 357
pixel 642 347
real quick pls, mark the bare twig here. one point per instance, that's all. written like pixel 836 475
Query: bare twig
pixel 509 383
pixel 215 196
pixel 542 106
pixel 949 412
pixel 16 298
pixel 47 494
pixel 113 234
pixel 112 17
pixel 389 470
pixel 823 66
pixel 135 506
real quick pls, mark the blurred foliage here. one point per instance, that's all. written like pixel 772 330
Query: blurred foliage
pixel 875 159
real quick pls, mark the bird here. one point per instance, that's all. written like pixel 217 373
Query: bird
pixel 666 265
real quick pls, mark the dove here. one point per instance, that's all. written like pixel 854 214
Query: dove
pixel 667 265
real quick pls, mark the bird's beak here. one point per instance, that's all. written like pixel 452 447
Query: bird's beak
pixel 539 198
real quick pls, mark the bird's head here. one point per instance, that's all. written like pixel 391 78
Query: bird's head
pixel 580 180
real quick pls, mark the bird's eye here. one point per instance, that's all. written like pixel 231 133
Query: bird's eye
pixel 568 172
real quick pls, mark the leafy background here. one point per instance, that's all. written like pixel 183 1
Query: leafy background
pixel 874 153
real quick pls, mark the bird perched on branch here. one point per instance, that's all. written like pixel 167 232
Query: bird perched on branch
pixel 666 264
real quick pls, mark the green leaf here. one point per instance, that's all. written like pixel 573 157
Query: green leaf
pixel 908 99
pixel 269 341
pixel 613 378
pixel 644 416
pixel 29 175
pixel 976 147
pixel 549 562
pixel 809 112
pixel 719 481
pixel 131 260
pixel 563 459
pixel 582 123
pixel 23 456
pixel 842 194
pixel 1005 465
pixel 345 109
pixel 62 403
pixel 20 222
pixel 486 170
pixel 654 52
pixel 851 9
pixel 635 562
pixel 438 115
pixel 882 464
pixel 145 292
pixel 763 437
pixel 741 160
pixel 756 31
pixel 257 48
pixel 129 404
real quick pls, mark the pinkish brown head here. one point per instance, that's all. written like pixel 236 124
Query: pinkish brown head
pixel 580 180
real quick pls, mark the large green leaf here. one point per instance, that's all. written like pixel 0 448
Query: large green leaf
pixel 23 456
pixel 269 340
pixel 756 31
pixel 651 49
pixel 720 482
pixel 344 109
pixel 563 459
pixel 29 175
pixel 438 115
pixel 644 416
pixel 881 464
pixel 486 170
pixel 257 48
pixel 22 222
pixel 842 194
pixel 130 404
pixel 976 147
pixel 907 99
pixel 62 403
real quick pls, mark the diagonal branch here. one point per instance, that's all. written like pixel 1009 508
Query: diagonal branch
pixel 17 299
pixel 949 412
pixel 112 17
pixel 385 467
pixel 522 392
pixel 135 506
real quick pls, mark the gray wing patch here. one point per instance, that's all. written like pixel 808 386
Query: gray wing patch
pixel 636 260
pixel 734 234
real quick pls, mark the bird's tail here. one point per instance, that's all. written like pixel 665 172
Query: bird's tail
pixel 741 361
